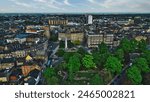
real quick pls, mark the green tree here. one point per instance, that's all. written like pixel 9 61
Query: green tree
pixel 142 45
pixel 100 59
pixel 134 75
pixel 71 74
pixel 125 45
pixel 77 42
pixel 87 62
pixel 113 65
pixel 74 63
pixel 49 72
pixel 96 80
pixel 60 52
pixel 103 48
pixel 67 55
pixel 50 76
pixel 53 81
pixel 62 66
pixel 120 54
pixel 62 44
pixel 82 51
pixel 134 45
pixel 142 64
pixel 146 55
pixel 97 58
pixel 100 56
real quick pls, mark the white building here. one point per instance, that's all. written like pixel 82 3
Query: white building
pixel 90 19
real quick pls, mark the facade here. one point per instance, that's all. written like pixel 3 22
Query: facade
pixel 58 22
pixel 71 36
pixel 93 39
pixel 38 29
pixel 34 51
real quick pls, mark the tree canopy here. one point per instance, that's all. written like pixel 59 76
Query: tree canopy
pixel 103 48
pixel 49 72
pixel 67 55
pixel 100 56
pixel 120 54
pixel 142 45
pixel 134 75
pixel 134 45
pixel 60 52
pixel 96 80
pixel 125 45
pixel 87 62
pixel 142 65
pixel 113 65
pixel 50 76
pixel 74 63
pixel 146 55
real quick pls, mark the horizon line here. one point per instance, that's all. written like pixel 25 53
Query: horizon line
pixel 74 13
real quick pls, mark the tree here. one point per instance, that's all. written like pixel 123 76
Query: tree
pixel 50 76
pixel 87 62
pixel 77 42
pixel 142 45
pixel 103 48
pixel 125 45
pixel 62 66
pixel 100 59
pixel 142 65
pixel 97 58
pixel 49 72
pixel 74 63
pixel 134 75
pixel 53 81
pixel 113 65
pixel 146 55
pixel 100 56
pixel 120 54
pixel 67 55
pixel 134 45
pixel 81 51
pixel 96 80
pixel 60 52
pixel 62 44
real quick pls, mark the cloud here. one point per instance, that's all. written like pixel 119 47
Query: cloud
pixel 22 4
pixel 45 4
pixel 66 2
pixel 92 1
pixel 2 10
pixel 17 2
pixel 126 5
pixel 140 6
pixel 42 1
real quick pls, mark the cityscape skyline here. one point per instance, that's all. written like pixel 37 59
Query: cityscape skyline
pixel 74 6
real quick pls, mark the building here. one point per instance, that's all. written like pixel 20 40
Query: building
pixel 3 78
pixel 7 63
pixel 94 39
pixel 58 22
pixel 38 29
pixel 73 36
pixel 18 51
pixel 90 19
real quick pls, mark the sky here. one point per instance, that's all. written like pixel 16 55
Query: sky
pixel 74 6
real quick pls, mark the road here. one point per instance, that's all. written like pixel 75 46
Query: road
pixel 116 80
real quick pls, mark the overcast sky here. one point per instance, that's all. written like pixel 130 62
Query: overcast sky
pixel 74 6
